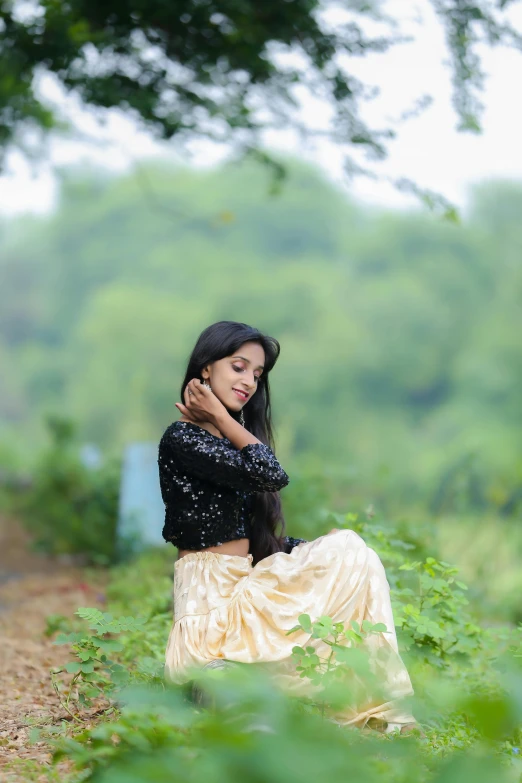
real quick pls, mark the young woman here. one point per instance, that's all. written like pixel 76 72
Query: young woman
pixel 239 582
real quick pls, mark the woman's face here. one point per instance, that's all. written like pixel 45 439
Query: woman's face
pixel 236 373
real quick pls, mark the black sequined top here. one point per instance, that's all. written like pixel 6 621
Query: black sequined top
pixel 207 485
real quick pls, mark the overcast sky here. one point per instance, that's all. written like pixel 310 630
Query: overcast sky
pixel 429 150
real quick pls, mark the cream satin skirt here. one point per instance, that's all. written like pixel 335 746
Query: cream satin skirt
pixel 226 608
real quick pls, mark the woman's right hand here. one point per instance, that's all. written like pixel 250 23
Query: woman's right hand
pixel 201 404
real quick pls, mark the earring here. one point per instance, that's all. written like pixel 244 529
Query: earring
pixel 241 415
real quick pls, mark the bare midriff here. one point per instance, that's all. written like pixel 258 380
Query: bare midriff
pixel 239 547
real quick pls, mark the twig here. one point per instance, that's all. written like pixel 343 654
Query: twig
pixel 51 721
pixel 66 708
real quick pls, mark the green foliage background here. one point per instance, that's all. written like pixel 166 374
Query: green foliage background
pixel 401 356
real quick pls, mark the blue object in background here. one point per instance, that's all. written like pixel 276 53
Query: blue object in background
pixel 91 456
pixel 141 510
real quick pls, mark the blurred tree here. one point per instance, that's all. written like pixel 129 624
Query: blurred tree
pixel 400 335
pixel 223 69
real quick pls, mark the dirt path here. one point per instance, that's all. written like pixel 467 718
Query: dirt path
pixel 31 588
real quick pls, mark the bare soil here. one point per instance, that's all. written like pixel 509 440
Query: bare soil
pixel 32 587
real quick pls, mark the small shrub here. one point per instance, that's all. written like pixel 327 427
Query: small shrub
pixel 68 508
pixel 95 674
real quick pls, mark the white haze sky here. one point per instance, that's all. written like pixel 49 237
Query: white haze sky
pixel 428 150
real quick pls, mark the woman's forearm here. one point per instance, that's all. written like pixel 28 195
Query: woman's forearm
pixel 232 429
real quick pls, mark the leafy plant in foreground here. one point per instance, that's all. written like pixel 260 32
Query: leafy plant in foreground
pixel 434 617
pixel 347 662
pixel 430 606
pixel 95 674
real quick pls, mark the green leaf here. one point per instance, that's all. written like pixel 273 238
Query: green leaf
pixel 69 638
pixel 320 632
pixel 109 645
pixel 354 657
pixel 305 622
pixel 326 621
pixel 120 678
pixel 92 615
pixel 73 667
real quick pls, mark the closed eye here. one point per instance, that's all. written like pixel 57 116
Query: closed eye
pixel 241 369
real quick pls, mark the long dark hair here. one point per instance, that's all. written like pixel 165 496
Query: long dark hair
pixel 215 342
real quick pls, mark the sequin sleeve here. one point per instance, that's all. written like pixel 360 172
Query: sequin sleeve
pixel 253 468
pixel 289 543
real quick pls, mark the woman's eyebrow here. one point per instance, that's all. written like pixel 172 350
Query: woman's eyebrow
pixel 260 367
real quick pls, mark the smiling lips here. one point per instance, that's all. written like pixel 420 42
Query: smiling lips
pixel 241 395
